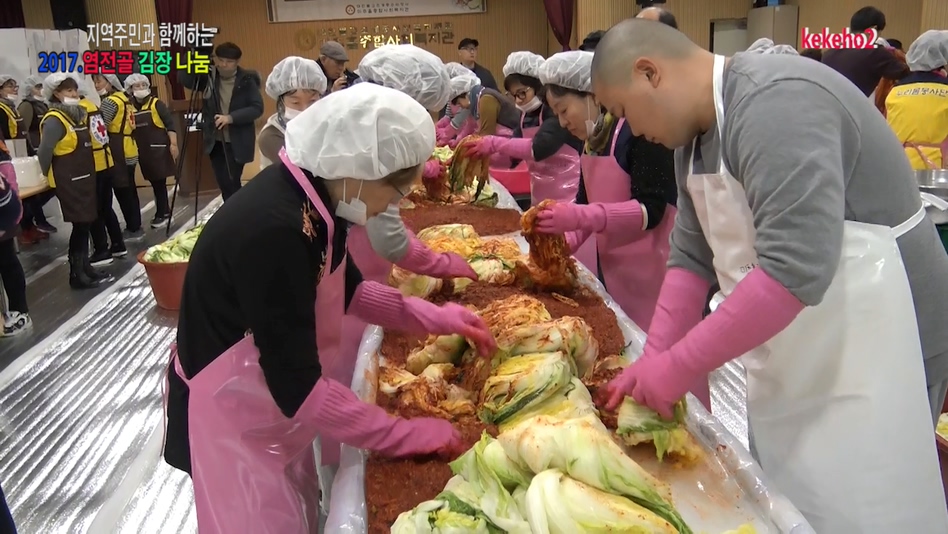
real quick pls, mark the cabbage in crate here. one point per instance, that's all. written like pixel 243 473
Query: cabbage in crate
pixel 175 250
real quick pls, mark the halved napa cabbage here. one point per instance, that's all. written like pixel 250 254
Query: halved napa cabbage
pixel 413 285
pixel 492 271
pixel 494 499
pixel 521 382
pixel 583 448
pixel 438 517
pixel 557 504
pixel 569 403
pixel 438 349
pixel 568 334
pixel 641 424
pixel 458 231
pixel 499 247
pixel 513 311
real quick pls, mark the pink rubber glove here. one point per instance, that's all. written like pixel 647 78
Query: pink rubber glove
pixel 512 147
pixel 422 260
pixel 623 218
pixel 679 308
pixel 9 174
pixel 433 169
pixel 443 122
pixel 758 309
pixel 469 127
pixel 446 135
pixel 339 415
pixel 385 306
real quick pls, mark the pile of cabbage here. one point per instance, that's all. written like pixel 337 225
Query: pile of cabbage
pixel 554 467
pixel 493 259
pixel 175 250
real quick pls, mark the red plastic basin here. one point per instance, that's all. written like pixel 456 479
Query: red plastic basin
pixel 516 180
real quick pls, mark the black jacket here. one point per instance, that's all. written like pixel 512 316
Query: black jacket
pixel 246 106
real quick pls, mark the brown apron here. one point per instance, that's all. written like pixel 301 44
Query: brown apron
pixel 11 112
pixel 154 153
pixel 120 176
pixel 33 134
pixel 94 119
pixel 74 175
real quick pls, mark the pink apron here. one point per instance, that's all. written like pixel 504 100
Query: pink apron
pixel 253 469
pixel 556 177
pixel 632 273
pixel 499 161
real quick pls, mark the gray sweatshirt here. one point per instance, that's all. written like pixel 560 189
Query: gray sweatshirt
pixel 812 151
pixel 388 235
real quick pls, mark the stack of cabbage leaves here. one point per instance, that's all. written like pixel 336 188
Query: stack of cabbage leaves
pixel 175 250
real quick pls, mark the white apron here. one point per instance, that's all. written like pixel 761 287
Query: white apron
pixel 836 403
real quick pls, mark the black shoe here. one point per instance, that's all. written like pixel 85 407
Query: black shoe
pixel 160 221
pixel 46 228
pixel 78 278
pixel 134 235
pixel 95 274
pixel 100 258
pixel 118 250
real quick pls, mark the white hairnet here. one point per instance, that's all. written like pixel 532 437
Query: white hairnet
pixel 525 63
pixel 29 84
pixel 411 70
pixel 928 52
pixel 4 78
pixel 456 69
pixel 572 70
pixel 113 81
pixel 136 78
pixel 51 83
pixel 767 46
pixel 294 73
pixel 365 132
pixel 462 85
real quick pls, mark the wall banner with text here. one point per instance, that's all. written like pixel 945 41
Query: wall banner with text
pixel 301 10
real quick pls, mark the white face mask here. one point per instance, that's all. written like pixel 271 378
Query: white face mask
pixel 290 113
pixel 354 211
pixel 590 122
pixel 71 101
pixel 142 93
pixel 102 92
pixel 531 105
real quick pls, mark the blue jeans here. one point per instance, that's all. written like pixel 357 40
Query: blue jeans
pixel 6 519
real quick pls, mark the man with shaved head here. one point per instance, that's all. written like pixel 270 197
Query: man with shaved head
pixel 658 14
pixel 796 197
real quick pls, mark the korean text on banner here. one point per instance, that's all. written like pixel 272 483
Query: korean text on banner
pixel 300 10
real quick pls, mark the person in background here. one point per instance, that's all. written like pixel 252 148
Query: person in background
pixel 66 157
pixel 262 261
pixel 157 143
pixel 33 225
pixel 232 103
pixel 106 225
pixel 550 150
pixel 916 109
pixel 463 124
pixel 866 66
pixel 826 315
pixel 17 319
pixel 658 14
pixel 12 126
pixel 120 123
pixel 492 113
pixel 295 83
pixel 626 197
pixel 451 117
pixel 895 44
pixel 812 53
pixel 332 60
pixel 467 56
pixel 885 85
pixel 590 41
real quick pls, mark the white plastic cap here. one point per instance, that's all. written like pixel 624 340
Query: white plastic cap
pixel 29 84
pixel 113 81
pixel 572 70
pixel 4 78
pixel 929 52
pixel 767 46
pixel 462 85
pixel 366 132
pixel 51 83
pixel 136 78
pixel 411 70
pixel 294 73
pixel 525 63
pixel 456 69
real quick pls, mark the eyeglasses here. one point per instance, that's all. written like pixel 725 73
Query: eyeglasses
pixel 520 95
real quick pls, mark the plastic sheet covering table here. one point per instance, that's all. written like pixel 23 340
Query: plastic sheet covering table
pixel 81 422
pixel 766 508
